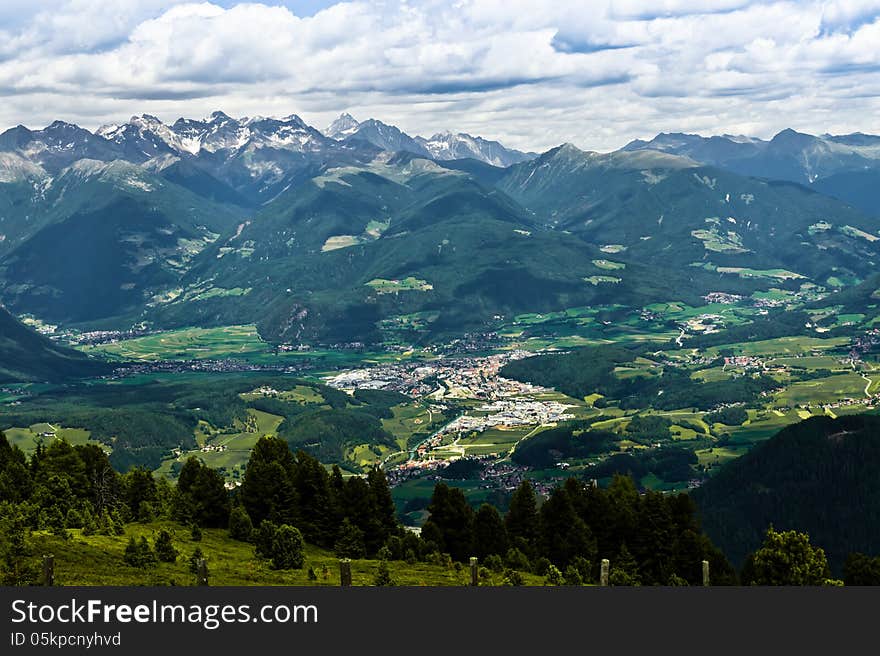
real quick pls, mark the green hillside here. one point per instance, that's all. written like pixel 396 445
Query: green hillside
pixel 818 476
pixel 99 560
pixel 105 240
pixel 659 208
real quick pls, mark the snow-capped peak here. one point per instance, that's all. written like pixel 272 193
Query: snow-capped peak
pixel 447 145
pixel 342 127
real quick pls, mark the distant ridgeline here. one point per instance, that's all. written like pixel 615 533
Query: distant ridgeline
pixel 818 476
pixel 361 233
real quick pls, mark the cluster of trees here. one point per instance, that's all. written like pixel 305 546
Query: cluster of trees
pixel 287 500
pixel 650 538
pixel 734 415
pixel 62 486
pixel 572 439
pixel 327 433
pixel 668 463
pixel 296 490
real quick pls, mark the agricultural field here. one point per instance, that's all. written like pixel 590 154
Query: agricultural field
pixel 29 437
pixel 225 449
pixel 187 344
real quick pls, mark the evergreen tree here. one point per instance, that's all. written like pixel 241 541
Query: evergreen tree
pixel 490 535
pixel 315 500
pixel 383 575
pixel 164 548
pixel 350 543
pixel 516 559
pixel 860 569
pixel 240 525
pixel 522 517
pixel 194 559
pixel 263 537
pixel 573 576
pixel 267 491
pixel 453 517
pixel 288 548
pixel 139 487
pixel 138 553
pixel 654 539
pixel 16 566
pixel 624 569
pixel 210 499
pixel 386 513
pixel 564 535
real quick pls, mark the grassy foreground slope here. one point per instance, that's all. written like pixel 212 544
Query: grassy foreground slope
pixel 98 560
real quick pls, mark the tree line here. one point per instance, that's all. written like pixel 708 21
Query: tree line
pixel 287 500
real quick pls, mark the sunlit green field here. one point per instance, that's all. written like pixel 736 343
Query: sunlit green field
pixel 27 439
pixel 188 344
pixel 843 386
pixel 782 346
pixel 236 445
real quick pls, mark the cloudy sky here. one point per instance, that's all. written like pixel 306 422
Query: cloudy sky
pixel 531 73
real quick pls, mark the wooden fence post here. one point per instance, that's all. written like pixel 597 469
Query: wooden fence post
pixel 475 572
pixel 203 572
pixel 603 571
pixel 49 570
pixel 345 572
pixel 706 572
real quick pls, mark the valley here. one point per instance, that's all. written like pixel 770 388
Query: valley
pixel 373 299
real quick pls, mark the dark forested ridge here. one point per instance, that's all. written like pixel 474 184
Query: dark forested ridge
pixel 28 356
pixel 818 476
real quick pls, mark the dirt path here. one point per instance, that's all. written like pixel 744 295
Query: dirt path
pixel 868 386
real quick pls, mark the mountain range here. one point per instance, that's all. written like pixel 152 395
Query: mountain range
pixel 360 230
pixel 843 166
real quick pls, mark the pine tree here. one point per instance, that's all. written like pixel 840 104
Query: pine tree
pixel 522 517
pixel 490 535
pixel 386 512
pixel 268 491
pixel 240 526
pixel 164 548
pixel 573 576
pixel 194 559
pixel 453 517
pixel 564 535
pixel 624 569
pixel 263 537
pixel 383 575
pixel 138 553
pixel 315 500
pixel 288 548
pixel 350 543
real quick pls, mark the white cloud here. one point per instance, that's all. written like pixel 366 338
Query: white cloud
pixel 533 74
